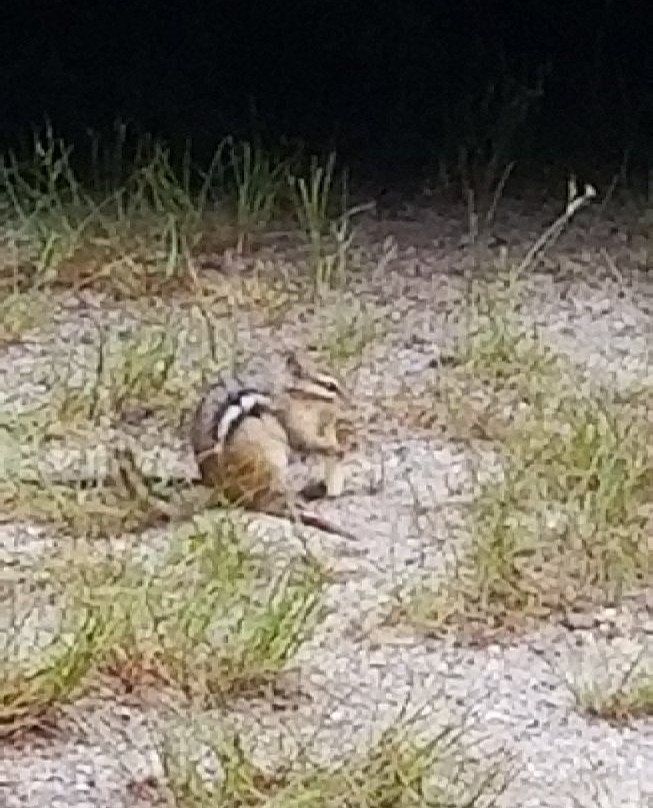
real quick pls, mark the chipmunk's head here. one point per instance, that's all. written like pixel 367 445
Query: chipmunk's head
pixel 309 380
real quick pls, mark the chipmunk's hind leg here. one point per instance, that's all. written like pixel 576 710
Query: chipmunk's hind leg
pixel 250 470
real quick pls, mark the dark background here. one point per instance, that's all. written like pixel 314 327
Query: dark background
pixel 387 82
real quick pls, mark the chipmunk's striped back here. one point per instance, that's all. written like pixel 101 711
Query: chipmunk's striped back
pixel 240 447
pixel 245 403
pixel 220 413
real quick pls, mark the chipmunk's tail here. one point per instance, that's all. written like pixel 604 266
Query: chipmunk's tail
pixel 133 480
pixel 127 474
pixel 310 519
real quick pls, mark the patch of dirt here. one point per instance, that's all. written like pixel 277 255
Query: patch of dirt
pixel 412 461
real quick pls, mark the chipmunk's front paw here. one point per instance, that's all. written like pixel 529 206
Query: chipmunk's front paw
pixel 316 489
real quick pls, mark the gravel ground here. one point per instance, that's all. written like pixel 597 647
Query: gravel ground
pixel 356 672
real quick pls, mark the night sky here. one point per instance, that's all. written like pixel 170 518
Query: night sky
pixel 385 81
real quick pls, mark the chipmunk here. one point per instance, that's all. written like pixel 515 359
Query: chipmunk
pixel 242 442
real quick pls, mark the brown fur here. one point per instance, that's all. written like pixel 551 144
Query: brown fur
pixel 250 469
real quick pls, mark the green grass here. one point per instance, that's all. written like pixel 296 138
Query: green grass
pixel 328 236
pixel 130 216
pixel 565 523
pixel 33 690
pixel 493 370
pixel 22 313
pixel 209 622
pixel 397 769
pixel 156 365
pixel 619 702
pixel 235 627
pixel 153 373
pixel 255 181
pixel 344 332
pixel 500 353
pixel 65 229
pixel 103 500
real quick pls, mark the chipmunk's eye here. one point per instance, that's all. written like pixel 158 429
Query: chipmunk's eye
pixel 332 387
